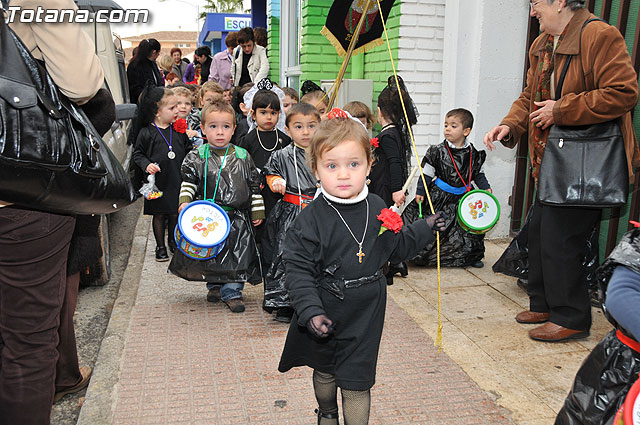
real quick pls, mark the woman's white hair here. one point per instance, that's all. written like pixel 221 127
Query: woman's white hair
pixel 573 4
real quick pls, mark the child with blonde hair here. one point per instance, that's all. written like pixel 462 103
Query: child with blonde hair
pixel 210 92
pixel 334 253
pixel 185 107
pixel 362 112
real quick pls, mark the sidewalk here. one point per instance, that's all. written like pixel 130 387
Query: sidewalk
pixel 172 358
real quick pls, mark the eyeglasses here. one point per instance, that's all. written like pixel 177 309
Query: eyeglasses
pixel 533 4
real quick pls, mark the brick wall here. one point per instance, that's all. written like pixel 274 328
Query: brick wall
pixel 421 47
pixel 377 65
pixel 273 32
pixel 416 35
pixel 319 60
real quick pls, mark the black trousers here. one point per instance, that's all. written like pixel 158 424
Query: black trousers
pixel 33 270
pixel 557 246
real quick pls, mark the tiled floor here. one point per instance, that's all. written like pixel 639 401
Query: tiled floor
pixel 187 361
pixel 199 363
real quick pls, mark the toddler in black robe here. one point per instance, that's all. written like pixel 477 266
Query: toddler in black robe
pixel 450 168
pixel 225 174
pixel 159 150
pixel 334 252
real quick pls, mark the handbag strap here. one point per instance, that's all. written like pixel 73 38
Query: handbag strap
pixel 563 74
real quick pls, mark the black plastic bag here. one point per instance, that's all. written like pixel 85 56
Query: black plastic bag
pixel 607 374
pixel 514 261
pixel 601 384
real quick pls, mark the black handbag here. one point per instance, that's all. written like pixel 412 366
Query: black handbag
pixel 51 156
pixel 584 166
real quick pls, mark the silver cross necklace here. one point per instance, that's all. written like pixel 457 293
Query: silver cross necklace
pixel 359 254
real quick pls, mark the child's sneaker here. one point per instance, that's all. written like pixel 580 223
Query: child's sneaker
pixel 235 305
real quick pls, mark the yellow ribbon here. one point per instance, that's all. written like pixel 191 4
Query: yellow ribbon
pixel 439 340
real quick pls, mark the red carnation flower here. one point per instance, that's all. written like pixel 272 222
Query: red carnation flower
pixel 391 220
pixel 180 125
pixel 374 142
pixel 337 113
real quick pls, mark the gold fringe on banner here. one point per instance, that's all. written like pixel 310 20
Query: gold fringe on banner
pixel 341 52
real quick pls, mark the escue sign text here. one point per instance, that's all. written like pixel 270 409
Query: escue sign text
pixel 234 24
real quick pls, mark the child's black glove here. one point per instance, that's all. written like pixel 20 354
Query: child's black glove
pixel 320 325
pixel 437 222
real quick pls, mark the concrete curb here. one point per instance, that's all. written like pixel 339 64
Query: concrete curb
pixel 100 402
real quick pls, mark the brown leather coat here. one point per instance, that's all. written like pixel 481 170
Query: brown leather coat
pixel 607 89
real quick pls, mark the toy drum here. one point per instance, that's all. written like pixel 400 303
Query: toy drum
pixel 629 412
pixel 202 230
pixel 478 211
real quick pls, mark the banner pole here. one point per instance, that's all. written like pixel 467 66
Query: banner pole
pixel 347 57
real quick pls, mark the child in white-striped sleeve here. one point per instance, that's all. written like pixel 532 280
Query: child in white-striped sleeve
pixel 233 182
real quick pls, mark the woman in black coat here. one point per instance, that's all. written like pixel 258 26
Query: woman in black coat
pixel 143 68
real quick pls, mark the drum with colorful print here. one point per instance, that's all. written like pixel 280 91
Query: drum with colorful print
pixel 629 412
pixel 202 230
pixel 478 211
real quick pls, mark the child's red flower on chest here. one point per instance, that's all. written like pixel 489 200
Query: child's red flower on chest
pixel 391 220
pixel 374 142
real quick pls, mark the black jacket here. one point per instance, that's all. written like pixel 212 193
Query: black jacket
pixel 138 73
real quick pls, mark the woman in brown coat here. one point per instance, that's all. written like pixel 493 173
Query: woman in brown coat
pixel 600 85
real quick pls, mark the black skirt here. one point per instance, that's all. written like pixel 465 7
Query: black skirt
pixel 351 352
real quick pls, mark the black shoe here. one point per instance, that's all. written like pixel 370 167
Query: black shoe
pixel 389 277
pixel 161 254
pixel 213 296
pixel 478 264
pixel 326 418
pixel 172 249
pixel 268 309
pixel 523 284
pixel 398 268
pixel 284 314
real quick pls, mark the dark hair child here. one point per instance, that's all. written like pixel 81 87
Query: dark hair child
pixel 393 154
pixel 313 94
pixel 159 150
pixel 262 141
pixel 287 174
pixel 237 102
pixel 453 162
